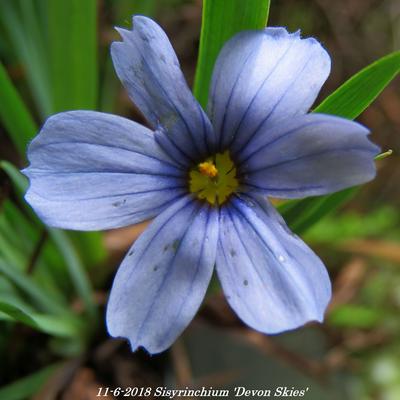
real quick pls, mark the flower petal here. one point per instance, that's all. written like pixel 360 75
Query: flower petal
pixel 309 155
pixel 264 76
pixel 149 69
pixel 91 170
pixel 272 280
pixel 163 279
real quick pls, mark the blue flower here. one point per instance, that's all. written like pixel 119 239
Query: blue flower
pixel 205 177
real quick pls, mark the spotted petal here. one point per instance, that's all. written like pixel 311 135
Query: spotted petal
pixel 163 279
pixel 91 171
pixel 271 279
pixel 149 69
pixel 308 155
pixel 264 76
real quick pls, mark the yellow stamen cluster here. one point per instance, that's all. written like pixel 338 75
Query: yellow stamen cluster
pixel 207 168
pixel 214 180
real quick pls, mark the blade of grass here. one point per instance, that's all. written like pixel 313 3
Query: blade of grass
pixel 28 386
pixel 72 43
pixel 348 101
pixel 50 324
pixel 308 213
pixel 76 270
pixel 19 241
pixel 13 113
pixel 221 20
pixel 356 94
pixel 38 295
pixel 28 53
pixel 61 240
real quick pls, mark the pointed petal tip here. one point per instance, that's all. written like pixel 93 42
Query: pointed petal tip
pixel 124 33
pixel 25 171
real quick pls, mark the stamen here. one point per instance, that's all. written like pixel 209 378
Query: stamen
pixel 381 156
pixel 208 168
pixel 214 180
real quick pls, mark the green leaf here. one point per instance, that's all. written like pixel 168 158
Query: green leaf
pixel 24 282
pixel 76 270
pixel 63 243
pixel 72 45
pixel 52 325
pixel 355 95
pixel 355 316
pixel 303 214
pixel 28 386
pixel 19 241
pixel 348 101
pixel 22 31
pixel 13 113
pixel 221 20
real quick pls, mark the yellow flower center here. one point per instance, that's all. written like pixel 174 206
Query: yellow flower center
pixel 214 180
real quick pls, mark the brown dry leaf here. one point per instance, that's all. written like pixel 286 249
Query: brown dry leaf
pixel 118 240
pixel 375 248
pixel 348 282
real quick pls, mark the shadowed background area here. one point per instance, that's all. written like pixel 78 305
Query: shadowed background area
pixel 355 354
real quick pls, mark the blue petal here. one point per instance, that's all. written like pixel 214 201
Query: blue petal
pixel 272 280
pixel 308 155
pixel 264 76
pixel 91 171
pixel 147 66
pixel 163 279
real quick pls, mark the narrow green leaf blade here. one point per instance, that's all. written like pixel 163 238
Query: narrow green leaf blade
pixel 355 95
pixel 38 295
pixel 52 325
pixel 221 20
pixel 76 270
pixel 75 267
pixel 309 211
pixel 28 386
pixel 13 113
pixel 72 39
pixel 348 101
pixel 28 51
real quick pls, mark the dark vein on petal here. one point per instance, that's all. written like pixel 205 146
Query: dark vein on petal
pixel 167 273
pixel 288 88
pixel 233 89
pixel 237 272
pixel 321 153
pixel 259 90
pixel 79 142
pixel 146 64
pixel 282 136
pixel 128 194
pixel 194 276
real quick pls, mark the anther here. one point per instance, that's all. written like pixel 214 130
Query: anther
pixel 207 168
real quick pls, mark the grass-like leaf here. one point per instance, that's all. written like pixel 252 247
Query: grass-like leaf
pixel 348 101
pixel 50 324
pixel 75 267
pixel 302 214
pixel 221 20
pixel 72 43
pixel 37 294
pixel 28 386
pixel 13 113
pixel 356 94
pixel 22 31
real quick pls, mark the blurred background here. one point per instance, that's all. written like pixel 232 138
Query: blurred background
pixel 54 285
